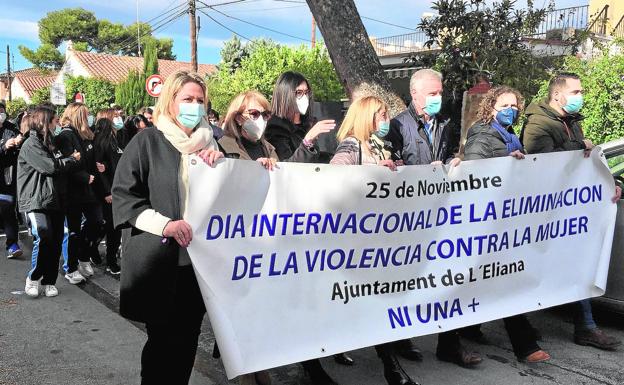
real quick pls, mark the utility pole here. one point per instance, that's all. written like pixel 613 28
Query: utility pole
pixel 193 21
pixel 138 28
pixel 9 71
pixel 313 39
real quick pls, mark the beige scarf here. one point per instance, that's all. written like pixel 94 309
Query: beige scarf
pixel 200 139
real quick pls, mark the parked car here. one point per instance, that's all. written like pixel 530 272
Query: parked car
pixel 613 299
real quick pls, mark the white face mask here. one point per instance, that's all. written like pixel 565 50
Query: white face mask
pixel 254 128
pixel 303 103
pixel 2 117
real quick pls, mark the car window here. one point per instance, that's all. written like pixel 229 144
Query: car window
pixel 616 164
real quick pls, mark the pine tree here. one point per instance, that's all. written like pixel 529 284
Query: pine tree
pixel 131 94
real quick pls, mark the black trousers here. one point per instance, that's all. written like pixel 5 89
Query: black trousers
pixel 9 223
pixel 521 335
pixel 47 231
pixel 113 236
pixel 169 353
pixel 82 240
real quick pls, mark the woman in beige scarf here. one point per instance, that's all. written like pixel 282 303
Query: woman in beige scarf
pixel 158 285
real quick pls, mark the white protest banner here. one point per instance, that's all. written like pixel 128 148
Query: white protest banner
pixel 310 260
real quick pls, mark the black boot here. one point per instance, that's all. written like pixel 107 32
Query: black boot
pixel 317 374
pixel 393 372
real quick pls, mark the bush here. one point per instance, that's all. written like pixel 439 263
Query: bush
pixel 260 70
pixel 99 93
pixel 602 79
pixel 15 106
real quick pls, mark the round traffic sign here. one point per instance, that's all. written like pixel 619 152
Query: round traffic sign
pixel 154 84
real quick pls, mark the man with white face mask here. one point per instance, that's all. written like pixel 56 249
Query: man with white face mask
pixel 10 143
pixel 419 135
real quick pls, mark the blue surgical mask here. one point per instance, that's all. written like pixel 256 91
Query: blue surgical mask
pixel 507 116
pixel 57 130
pixel 433 104
pixel 90 120
pixel 383 128
pixel 191 114
pixel 574 105
pixel 118 122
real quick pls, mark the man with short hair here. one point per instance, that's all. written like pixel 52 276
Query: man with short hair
pixel 419 136
pixel 553 125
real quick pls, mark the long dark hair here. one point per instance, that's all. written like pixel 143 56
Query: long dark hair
pixel 105 132
pixel 41 119
pixel 284 102
pixel 132 125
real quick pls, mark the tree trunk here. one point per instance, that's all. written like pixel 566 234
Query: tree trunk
pixel 351 51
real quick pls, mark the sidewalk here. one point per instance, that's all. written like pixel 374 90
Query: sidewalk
pixel 65 340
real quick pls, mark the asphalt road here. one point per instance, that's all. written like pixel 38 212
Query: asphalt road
pixel 78 338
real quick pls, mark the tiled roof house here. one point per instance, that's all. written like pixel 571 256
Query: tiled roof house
pixel 26 82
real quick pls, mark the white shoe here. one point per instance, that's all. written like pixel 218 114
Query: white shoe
pixel 50 291
pixel 32 287
pixel 75 277
pixel 85 269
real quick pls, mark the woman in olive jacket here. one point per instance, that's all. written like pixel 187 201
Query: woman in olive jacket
pixel 158 285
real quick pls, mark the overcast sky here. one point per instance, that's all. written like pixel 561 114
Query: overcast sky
pixel 18 21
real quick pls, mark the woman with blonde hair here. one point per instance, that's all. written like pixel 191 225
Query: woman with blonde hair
pixel 158 286
pixel 366 120
pixel 243 129
pixel 76 136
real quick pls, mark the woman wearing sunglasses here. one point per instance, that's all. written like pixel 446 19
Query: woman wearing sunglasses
pixel 288 130
pixel 243 130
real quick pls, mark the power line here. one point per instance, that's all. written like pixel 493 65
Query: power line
pixel 222 25
pixel 264 9
pixel 253 24
pixel 387 23
pixel 133 44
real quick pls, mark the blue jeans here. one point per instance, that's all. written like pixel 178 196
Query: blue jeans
pixel 583 318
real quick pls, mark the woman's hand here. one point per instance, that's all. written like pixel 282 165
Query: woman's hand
pixel 455 162
pixel 388 163
pixel 268 163
pixel 108 199
pixel 180 231
pixel 319 128
pixel 76 155
pixel 588 147
pixel 91 179
pixel 210 156
pixel 517 154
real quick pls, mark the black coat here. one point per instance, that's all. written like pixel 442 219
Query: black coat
pixel 40 176
pixel 147 178
pixel 545 130
pixel 484 142
pixel 287 138
pixel 108 152
pixel 8 159
pixel 79 190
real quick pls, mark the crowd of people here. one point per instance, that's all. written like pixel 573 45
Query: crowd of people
pixel 78 179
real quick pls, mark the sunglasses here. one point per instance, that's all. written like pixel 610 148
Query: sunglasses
pixel 255 114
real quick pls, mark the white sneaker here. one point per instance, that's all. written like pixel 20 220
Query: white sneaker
pixel 75 277
pixel 50 291
pixel 32 287
pixel 85 269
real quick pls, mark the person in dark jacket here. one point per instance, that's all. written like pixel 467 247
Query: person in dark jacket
pixel 288 129
pixel 107 154
pixel 491 137
pixel 134 125
pixel 554 125
pixel 420 136
pixel 10 143
pixel 158 286
pixel 289 132
pixel 39 187
pixel 76 136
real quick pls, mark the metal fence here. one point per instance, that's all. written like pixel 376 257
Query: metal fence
pixel 400 44
pixel 560 22
pixel 618 31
